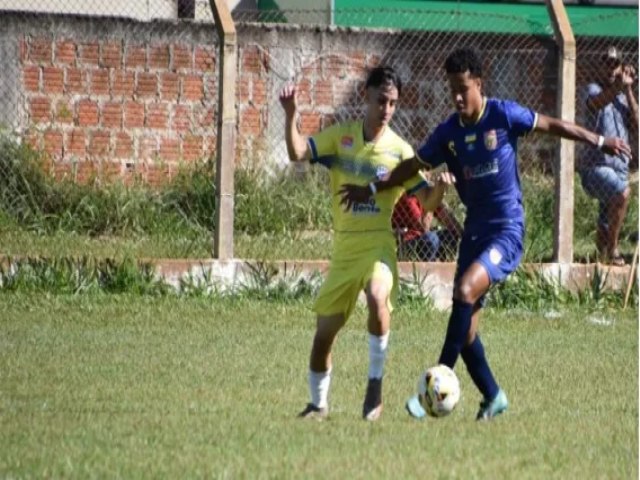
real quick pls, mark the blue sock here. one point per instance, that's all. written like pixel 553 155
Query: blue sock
pixel 478 368
pixel 459 323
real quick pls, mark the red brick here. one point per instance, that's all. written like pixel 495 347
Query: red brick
pixel 147 85
pixel 192 87
pixel 169 86
pixel 259 92
pixel 148 147
pixel 310 122
pixel 90 53
pixel 112 114
pixel 205 58
pixel 322 93
pixel 182 57
pixel 133 114
pixel 243 87
pixel 53 143
pixel 356 65
pixel 123 83
pixel 86 172
pixel 192 147
pixel 250 120
pixel 87 112
pixel 311 70
pixel 334 66
pixel 344 91
pixel 251 60
pixel 65 52
pixel 53 79
pixel 76 142
pixel 169 149
pixel 112 55
pixel 157 175
pixel 99 81
pixel 64 112
pixel 40 50
pixel 40 109
pixel 99 143
pixel 76 81
pixel 62 171
pixel 181 118
pixel 136 56
pixel 159 56
pixel 124 145
pixel 157 116
pixel 303 92
pixel 31 78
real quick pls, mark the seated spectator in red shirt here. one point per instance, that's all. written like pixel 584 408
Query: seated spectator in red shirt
pixel 418 241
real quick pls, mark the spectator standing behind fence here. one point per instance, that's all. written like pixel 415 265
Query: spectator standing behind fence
pixel 417 239
pixel 605 177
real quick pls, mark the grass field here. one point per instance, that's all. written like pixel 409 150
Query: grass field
pixel 126 386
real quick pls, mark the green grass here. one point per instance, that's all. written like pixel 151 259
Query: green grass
pixel 144 387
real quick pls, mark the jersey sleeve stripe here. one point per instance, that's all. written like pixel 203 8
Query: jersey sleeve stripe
pixel 535 122
pixel 312 145
pixel 418 186
pixel 422 161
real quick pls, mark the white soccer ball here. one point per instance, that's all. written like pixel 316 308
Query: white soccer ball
pixel 439 390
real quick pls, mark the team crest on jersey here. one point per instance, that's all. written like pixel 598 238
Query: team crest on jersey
pixel 381 172
pixel 346 141
pixel 491 140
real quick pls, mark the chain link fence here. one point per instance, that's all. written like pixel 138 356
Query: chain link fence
pixel 128 91
pixel 329 66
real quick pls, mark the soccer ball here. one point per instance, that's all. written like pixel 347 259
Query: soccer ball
pixel 438 391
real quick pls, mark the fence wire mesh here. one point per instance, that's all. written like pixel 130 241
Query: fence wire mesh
pixel 127 91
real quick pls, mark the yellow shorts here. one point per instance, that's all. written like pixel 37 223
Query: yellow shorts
pixel 349 275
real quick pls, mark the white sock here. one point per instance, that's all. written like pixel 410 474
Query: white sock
pixel 319 387
pixel 377 354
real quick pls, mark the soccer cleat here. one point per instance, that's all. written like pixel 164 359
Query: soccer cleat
pixel 414 407
pixel 372 406
pixel 490 409
pixel 311 412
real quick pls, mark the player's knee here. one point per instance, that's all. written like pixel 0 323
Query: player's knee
pixel 465 293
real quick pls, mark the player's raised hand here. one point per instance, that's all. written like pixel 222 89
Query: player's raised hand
pixel 351 194
pixel 444 179
pixel 616 146
pixel 288 98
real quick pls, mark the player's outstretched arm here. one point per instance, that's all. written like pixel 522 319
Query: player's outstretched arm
pixel 431 198
pixel 351 193
pixel 296 143
pixel 571 131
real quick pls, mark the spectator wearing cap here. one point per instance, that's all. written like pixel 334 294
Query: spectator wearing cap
pixel 614 113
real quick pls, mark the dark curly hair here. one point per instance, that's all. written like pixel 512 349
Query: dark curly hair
pixel 384 76
pixel 463 60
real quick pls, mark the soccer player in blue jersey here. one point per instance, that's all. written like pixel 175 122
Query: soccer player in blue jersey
pixel 478 144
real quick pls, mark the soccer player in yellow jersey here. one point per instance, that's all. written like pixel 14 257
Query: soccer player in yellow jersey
pixel 364 250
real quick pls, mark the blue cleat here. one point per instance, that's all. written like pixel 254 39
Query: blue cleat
pixel 414 408
pixel 493 408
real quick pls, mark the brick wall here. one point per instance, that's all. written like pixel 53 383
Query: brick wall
pixel 120 99
pixel 139 105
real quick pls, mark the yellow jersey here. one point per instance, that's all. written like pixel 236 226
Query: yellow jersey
pixel 350 159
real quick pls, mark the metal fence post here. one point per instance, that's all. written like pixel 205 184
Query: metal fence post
pixel 225 152
pixel 564 171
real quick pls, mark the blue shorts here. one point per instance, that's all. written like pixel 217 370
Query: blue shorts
pixel 499 250
pixel 602 183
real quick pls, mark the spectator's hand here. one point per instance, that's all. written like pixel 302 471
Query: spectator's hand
pixel 288 99
pixel 628 75
pixel 351 194
pixel 616 146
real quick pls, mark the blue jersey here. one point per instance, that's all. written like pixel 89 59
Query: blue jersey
pixel 483 158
